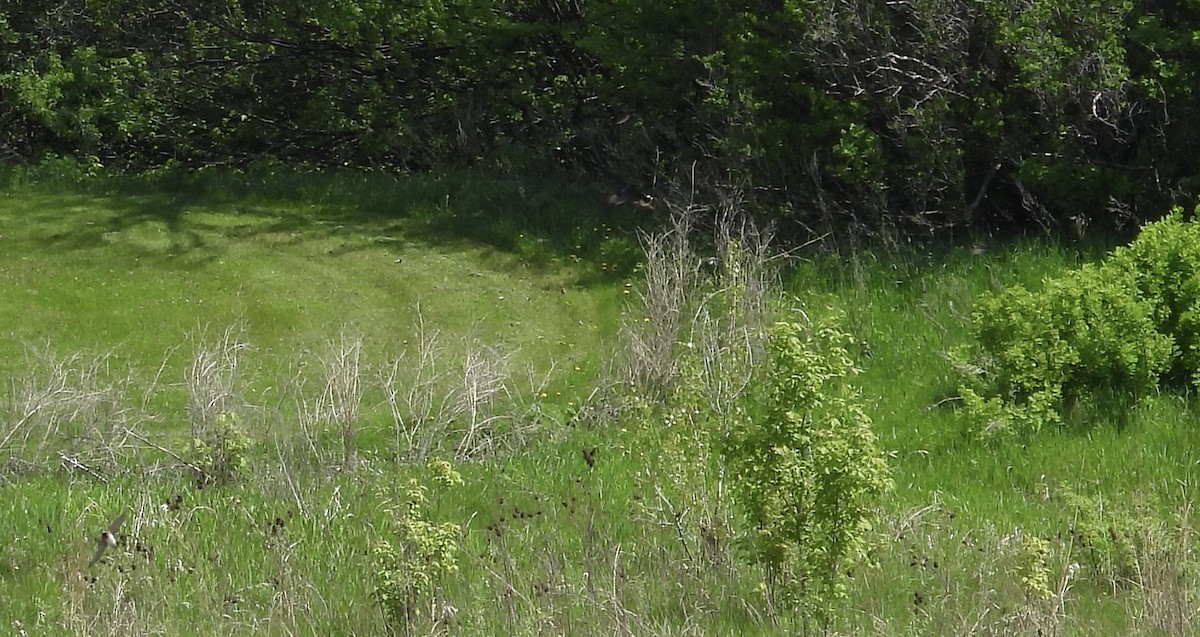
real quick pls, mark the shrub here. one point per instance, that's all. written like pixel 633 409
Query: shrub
pixel 806 469
pixel 1164 266
pixel 1119 327
pixel 1083 331
pixel 220 452
pixel 1034 568
pixel 417 553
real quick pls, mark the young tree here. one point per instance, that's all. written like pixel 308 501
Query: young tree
pixel 806 469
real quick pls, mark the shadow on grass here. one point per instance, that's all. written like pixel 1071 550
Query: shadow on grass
pixel 541 221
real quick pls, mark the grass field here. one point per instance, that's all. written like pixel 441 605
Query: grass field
pixel 360 324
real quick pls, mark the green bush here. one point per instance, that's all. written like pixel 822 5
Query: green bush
pixel 806 468
pixel 221 452
pixel 1118 328
pixel 1164 265
pixel 1082 331
pixel 417 553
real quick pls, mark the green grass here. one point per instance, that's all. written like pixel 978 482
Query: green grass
pixel 909 314
pixel 141 269
pixel 578 525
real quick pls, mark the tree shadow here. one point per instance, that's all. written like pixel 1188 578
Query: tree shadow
pixel 542 221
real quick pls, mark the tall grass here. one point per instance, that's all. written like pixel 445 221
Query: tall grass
pixel 366 342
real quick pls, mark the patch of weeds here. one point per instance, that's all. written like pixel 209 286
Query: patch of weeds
pixel 1042 610
pixel 690 347
pixel 219 443
pixel 339 394
pixel 1168 572
pixel 439 396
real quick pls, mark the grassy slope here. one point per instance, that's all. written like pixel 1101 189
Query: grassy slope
pixel 148 272
pixel 551 544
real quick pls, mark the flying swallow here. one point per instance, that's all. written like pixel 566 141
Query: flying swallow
pixel 107 539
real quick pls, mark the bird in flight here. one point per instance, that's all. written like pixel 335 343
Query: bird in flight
pixel 629 194
pixel 107 539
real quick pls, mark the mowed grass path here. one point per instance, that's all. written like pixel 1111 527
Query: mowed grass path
pixel 146 271
pixel 143 269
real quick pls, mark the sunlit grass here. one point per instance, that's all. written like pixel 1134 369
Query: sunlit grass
pixel 140 272
pixel 563 530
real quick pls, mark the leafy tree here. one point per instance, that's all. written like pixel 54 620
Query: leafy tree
pixel 889 118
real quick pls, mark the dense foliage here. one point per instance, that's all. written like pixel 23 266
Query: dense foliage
pixel 894 117
pixel 1118 329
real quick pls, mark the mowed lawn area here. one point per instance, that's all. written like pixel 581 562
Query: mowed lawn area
pixel 140 269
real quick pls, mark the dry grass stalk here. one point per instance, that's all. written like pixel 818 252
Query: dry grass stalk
pixel 341 393
pixel 433 403
pixel 1166 597
pixel 73 408
pixel 213 380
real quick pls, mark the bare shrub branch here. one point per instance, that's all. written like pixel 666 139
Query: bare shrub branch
pixel 414 389
pixel 485 377
pixel 472 404
pixel 212 381
pixel 73 408
pixel 672 273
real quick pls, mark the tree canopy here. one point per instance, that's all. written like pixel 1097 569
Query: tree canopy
pixel 896 116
